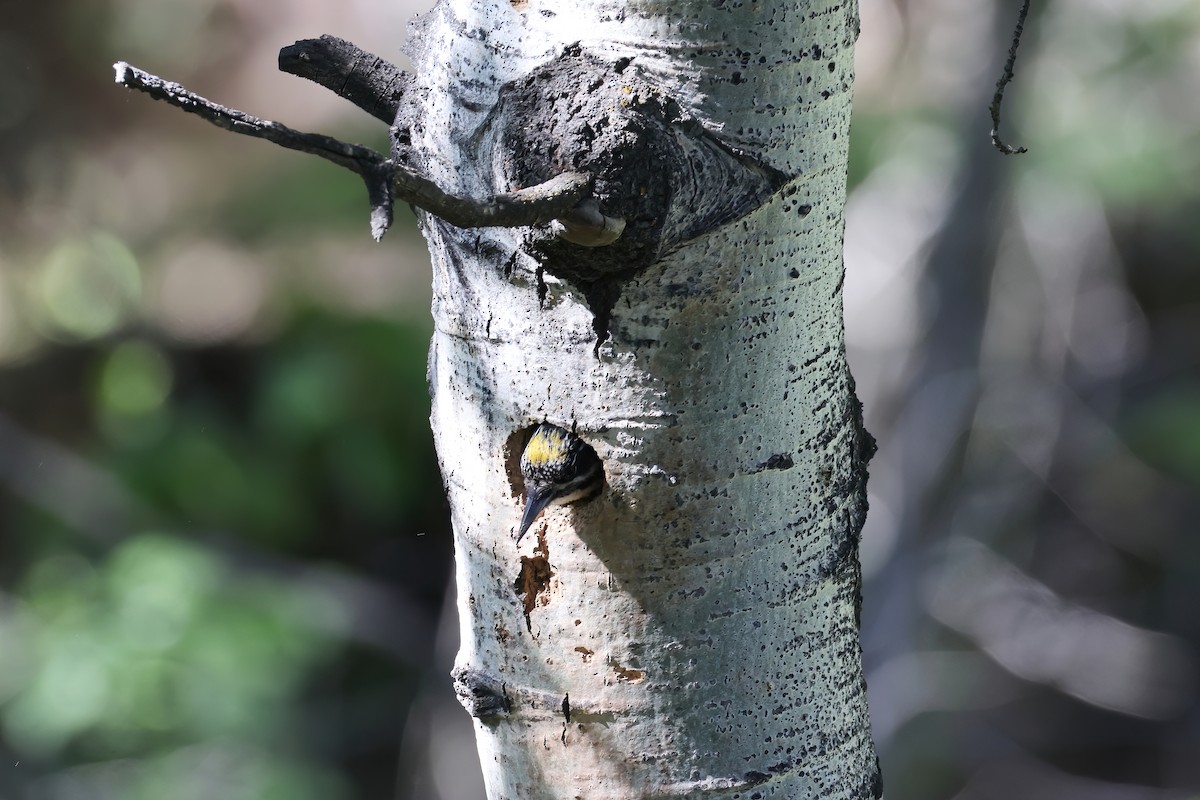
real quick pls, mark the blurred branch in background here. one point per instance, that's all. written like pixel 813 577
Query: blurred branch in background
pixel 225 551
pixel 1033 633
pixel 1003 349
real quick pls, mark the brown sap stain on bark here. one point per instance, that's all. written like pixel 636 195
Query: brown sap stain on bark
pixel 533 581
pixel 628 675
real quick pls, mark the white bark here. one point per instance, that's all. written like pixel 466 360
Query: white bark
pixel 702 614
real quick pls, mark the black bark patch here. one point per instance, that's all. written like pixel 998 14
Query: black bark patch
pixel 851 495
pixel 655 166
pixel 777 461
pixel 479 693
pixel 755 778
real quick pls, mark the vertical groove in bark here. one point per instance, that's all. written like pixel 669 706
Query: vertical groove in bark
pixel 702 615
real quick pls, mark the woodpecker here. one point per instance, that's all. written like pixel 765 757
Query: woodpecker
pixel 558 468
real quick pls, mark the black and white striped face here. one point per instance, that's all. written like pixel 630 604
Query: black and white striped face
pixel 558 468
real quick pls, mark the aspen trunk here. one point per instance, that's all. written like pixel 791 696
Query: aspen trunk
pixel 694 631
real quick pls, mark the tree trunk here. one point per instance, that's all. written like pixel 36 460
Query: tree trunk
pixel 693 631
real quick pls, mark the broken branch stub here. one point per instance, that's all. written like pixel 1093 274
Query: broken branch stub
pixel 372 83
pixel 596 149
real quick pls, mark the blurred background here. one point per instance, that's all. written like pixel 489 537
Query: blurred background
pixel 224 547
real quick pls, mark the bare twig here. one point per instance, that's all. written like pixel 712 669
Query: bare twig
pixel 1005 77
pixel 370 82
pixel 353 157
pixel 384 178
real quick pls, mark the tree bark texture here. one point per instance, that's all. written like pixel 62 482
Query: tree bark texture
pixel 694 631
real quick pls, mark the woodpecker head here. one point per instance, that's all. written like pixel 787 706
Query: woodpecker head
pixel 558 468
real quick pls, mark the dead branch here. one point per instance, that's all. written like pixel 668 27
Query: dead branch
pixel 385 179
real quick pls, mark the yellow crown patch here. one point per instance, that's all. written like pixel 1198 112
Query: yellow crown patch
pixel 546 447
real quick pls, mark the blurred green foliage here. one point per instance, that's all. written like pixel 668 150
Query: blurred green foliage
pixel 1165 431
pixel 88 286
pixel 116 640
pixel 225 543
pixel 337 414
pixel 155 649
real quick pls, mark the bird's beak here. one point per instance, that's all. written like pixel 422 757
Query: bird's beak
pixel 534 503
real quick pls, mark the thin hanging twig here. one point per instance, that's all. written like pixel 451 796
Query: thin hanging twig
pixel 1005 77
